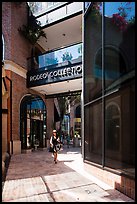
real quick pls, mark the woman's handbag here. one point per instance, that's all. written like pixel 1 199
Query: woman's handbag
pixel 58 147
pixel 50 149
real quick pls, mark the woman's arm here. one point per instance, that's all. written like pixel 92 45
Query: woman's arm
pixel 51 144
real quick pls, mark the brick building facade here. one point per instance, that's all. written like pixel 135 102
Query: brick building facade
pixel 16 50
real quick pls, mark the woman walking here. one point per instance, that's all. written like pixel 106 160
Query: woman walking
pixel 54 142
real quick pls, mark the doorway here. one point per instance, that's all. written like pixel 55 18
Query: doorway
pixel 33 122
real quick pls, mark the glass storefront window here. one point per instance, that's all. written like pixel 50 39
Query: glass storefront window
pixel 33 122
pixel 39 8
pixel 119 55
pixel 86 5
pixel 71 54
pixel 119 65
pixel 93 133
pixel 109 85
pixel 93 43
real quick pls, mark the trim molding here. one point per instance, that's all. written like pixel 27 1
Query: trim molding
pixel 12 66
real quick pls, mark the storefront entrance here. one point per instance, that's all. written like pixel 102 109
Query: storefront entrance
pixel 32 122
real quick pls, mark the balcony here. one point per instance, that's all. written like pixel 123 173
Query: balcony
pixel 61 22
pixel 69 55
pixel 57 71
pixel 50 12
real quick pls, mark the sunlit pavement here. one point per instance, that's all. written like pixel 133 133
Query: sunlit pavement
pixel 33 177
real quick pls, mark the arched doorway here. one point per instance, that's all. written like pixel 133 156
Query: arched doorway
pixel 113 128
pixel 32 122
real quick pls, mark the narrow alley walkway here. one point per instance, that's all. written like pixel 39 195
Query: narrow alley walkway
pixel 34 177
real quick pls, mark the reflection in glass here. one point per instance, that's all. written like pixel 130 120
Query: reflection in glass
pixel 93 43
pixel 119 50
pixel 93 133
pixel 39 8
pixel 71 54
pixel 109 86
pixel 33 122
pixel 112 127
pixel 121 13
pixel 86 5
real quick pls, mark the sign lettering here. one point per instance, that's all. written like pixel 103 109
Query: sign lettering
pixel 53 75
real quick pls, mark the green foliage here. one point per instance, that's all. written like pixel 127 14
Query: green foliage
pixel 76 98
pixel 32 31
pixel 67 56
pixel 64 101
pixel 132 20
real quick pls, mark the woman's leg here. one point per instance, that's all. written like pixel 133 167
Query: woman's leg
pixel 55 157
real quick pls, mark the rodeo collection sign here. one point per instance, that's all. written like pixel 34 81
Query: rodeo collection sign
pixel 39 77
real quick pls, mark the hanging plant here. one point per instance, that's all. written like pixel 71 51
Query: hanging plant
pixel 32 31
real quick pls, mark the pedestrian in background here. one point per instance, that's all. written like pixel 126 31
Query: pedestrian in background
pixel 62 138
pixel 68 140
pixel 54 143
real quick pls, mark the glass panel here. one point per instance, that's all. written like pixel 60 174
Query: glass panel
pixel 23 126
pixel 93 53
pixel 56 15
pixel 33 122
pixel 59 13
pixel 86 5
pixel 29 139
pixel 74 8
pixel 119 65
pixel 52 4
pixel 44 128
pixel 93 133
pixel 71 54
pixel 113 125
pixel 120 48
pixel 65 124
pixel 120 130
pixel 39 8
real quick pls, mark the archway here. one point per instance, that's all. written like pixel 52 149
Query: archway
pixel 32 122
pixel 113 127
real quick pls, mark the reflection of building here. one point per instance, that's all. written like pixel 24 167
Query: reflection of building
pixel 109 101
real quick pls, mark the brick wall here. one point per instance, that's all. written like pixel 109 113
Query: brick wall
pixel 19 90
pixel 17 48
pixel 6 28
pixel 119 182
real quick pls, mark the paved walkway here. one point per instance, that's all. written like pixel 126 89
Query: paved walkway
pixel 34 177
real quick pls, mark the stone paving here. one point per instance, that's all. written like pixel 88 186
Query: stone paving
pixel 33 177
